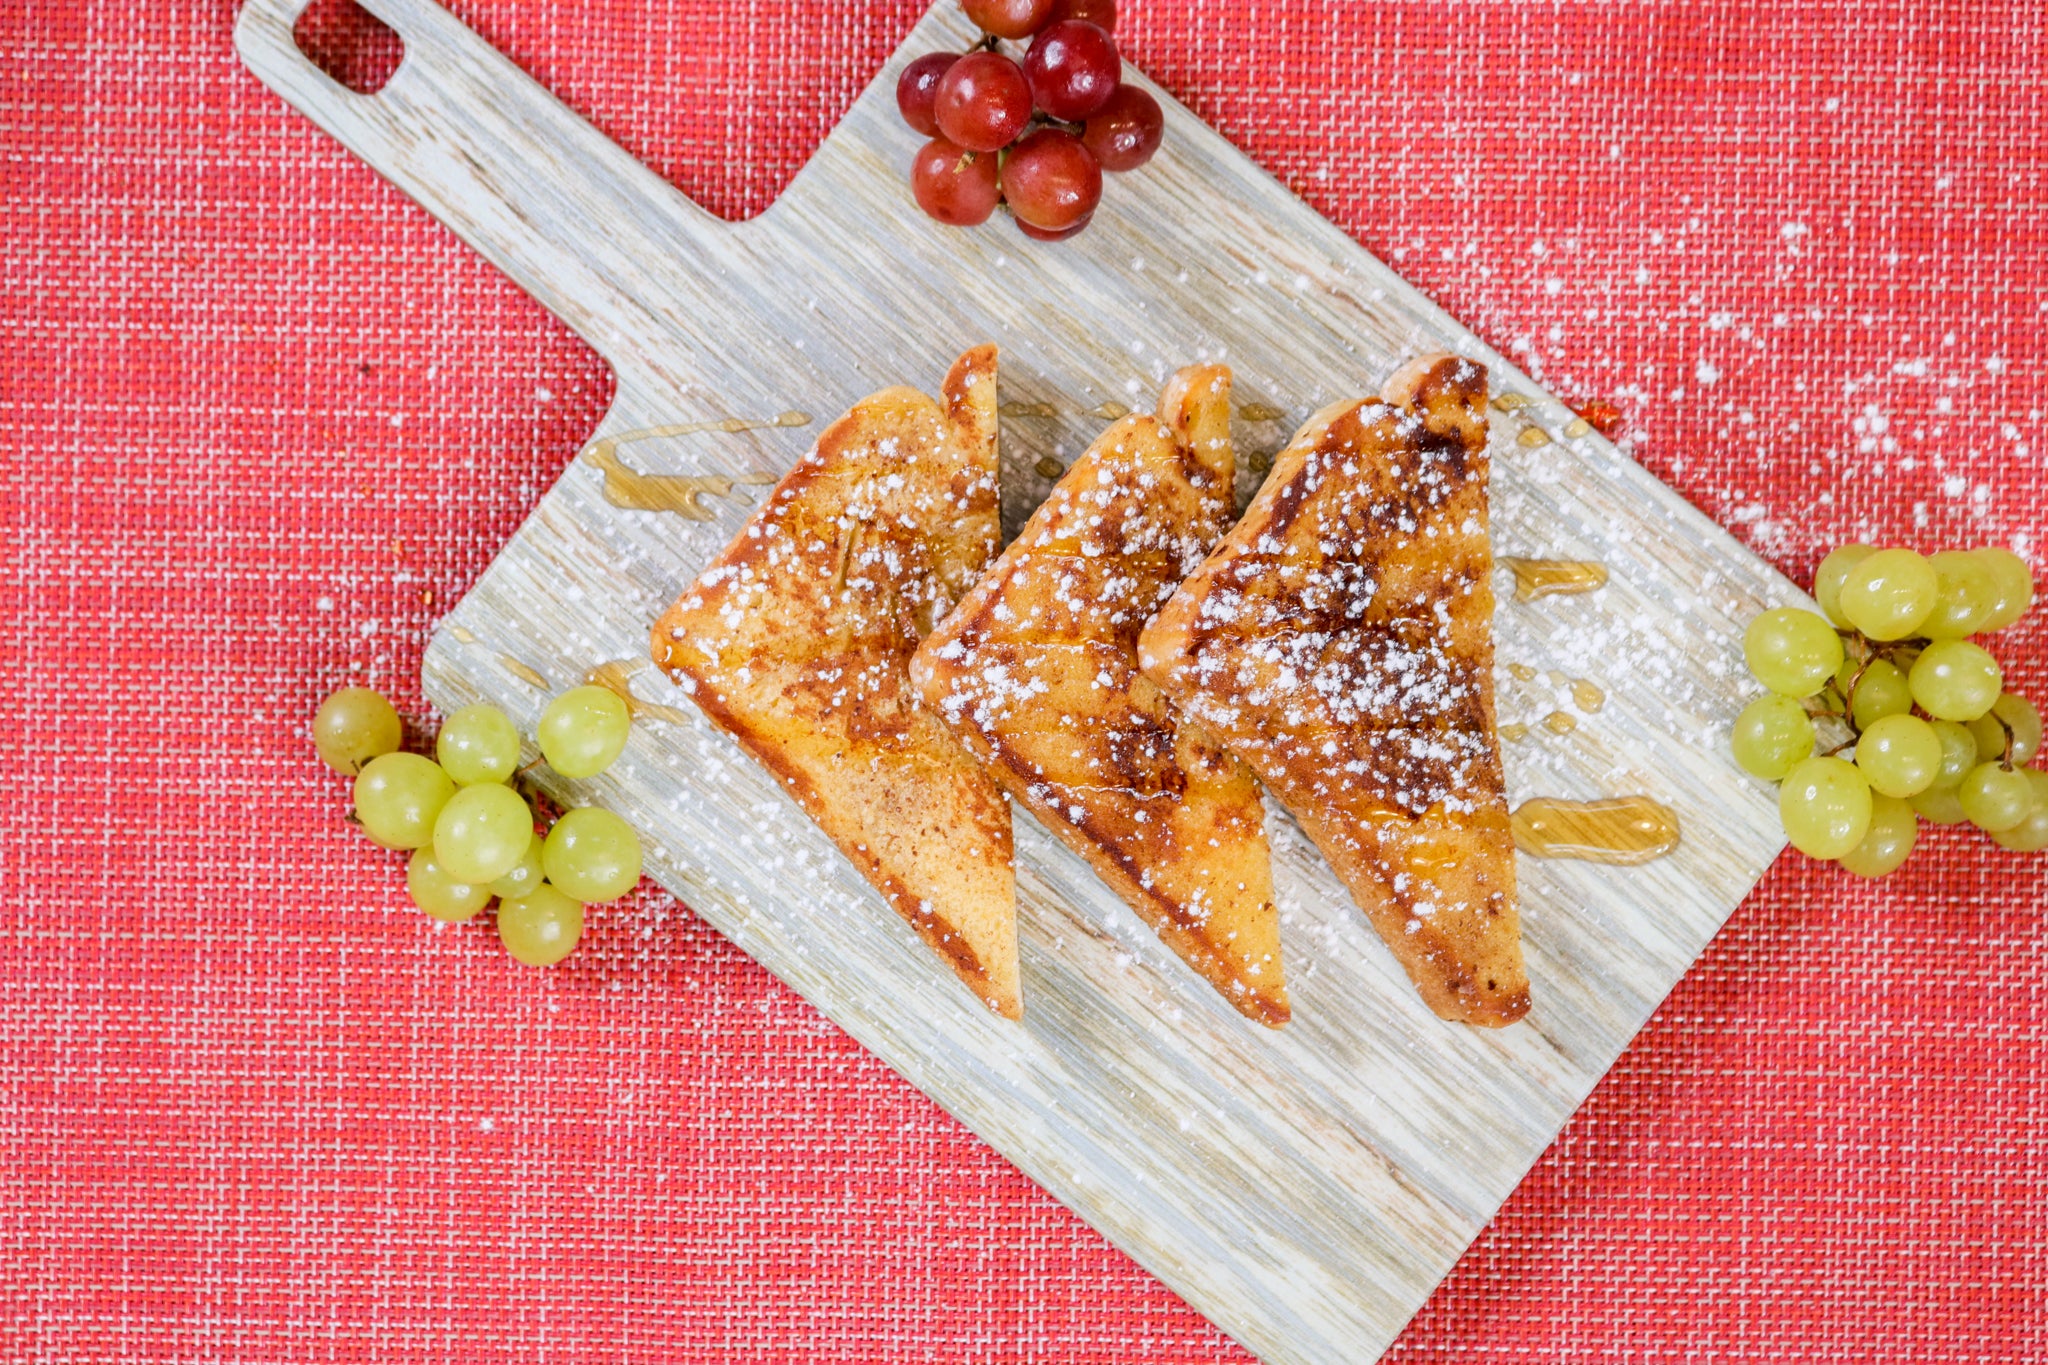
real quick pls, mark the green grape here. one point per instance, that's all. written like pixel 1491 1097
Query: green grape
pixel 440 895
pixel 1889 593
pixel 1833 571
pixel 2014 712
pixel 353 726
pixel 1968 596
pixel 1792 652
pixel 1899 756
pixel 2025 720
pixel 478 743
pixel 399 796
pixel 1958 753
pixel 1771 735
pixel 482 832
pixel 593 855
pixel 526 874
pixel 1995 797
pixel 583 730
pixel 2015 585
pixel 2031 834
pixel 1885 845
pixel 1988 735
pixel 1880 691
pixel 1955 680
pixel 1825 807
pixel 1940 806
pixel 542 928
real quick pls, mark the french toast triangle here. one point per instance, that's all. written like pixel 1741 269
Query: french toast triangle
pixel 1340 641
pixel 797 641
pixel 1037 671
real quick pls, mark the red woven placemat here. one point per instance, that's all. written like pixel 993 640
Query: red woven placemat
pixel 263 421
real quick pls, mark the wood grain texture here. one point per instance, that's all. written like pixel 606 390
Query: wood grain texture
pixel 1307 1187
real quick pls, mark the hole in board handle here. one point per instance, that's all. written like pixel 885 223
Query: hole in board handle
pixel 350 44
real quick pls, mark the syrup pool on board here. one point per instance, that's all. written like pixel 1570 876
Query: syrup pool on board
pixel 1625 830
pixel 1553 577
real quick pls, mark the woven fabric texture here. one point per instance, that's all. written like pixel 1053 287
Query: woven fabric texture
pixel 262 421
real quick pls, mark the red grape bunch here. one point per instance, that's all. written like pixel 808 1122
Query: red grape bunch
pixel 1034 135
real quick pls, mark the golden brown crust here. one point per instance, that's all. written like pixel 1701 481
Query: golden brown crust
pixel 797 640
pixel 1340 641
pixel 1036 671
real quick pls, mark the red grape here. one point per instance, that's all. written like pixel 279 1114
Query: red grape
pixel 1124 133
pixel 1074 69
pixel 983 102
pixel 1049 235
pixel 1051 181
pixel 1102 12
pixel 953 184
pixel 917 89
pixel 1009 18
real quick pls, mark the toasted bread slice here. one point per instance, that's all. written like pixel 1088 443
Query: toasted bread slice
pixel 797 641
pixel 1340 641
pixel 1037 670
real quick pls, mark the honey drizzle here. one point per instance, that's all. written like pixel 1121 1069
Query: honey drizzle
pixel 1112 410
pixel 518 668
pixel 1586 694
pixel 1533 438
pixel 617 676
pixel 682 494
pixel 526 673
pixel 1623 830
pixel 1554 577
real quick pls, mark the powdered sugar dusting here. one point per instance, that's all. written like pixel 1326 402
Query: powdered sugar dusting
pixel 1344 639
pixel 1340 641
pixel 1037 670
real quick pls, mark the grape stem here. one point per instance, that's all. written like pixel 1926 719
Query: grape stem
pixel 1867 652
pixel 1849 697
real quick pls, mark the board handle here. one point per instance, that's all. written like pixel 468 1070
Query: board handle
pixel 605 244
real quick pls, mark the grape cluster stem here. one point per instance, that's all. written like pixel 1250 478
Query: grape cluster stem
pixel 2005 757
pixel 1871 651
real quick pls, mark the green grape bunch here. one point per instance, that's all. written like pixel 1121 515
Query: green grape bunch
pixel 471 832
pixel 1932 732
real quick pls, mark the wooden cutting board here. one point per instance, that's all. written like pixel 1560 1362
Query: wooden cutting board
pixel 1304 1188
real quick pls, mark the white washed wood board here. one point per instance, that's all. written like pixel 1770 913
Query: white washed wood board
pixel 1305 1188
